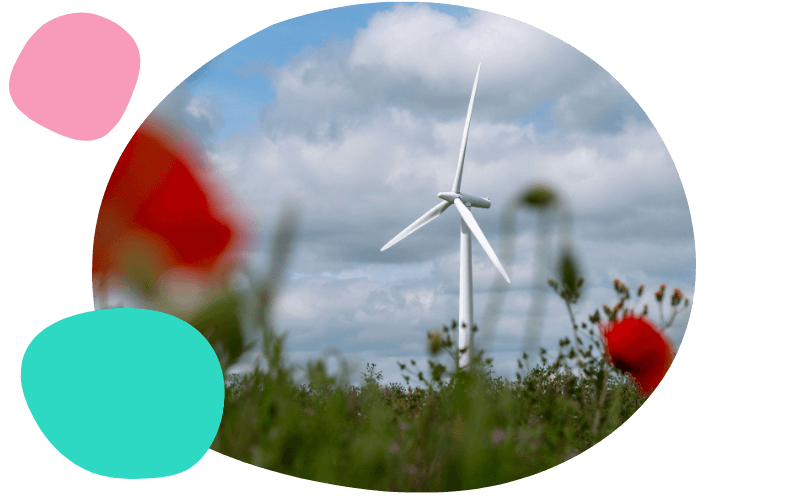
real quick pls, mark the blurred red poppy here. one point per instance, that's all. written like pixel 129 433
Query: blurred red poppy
pixel 163 210
pixel 637 347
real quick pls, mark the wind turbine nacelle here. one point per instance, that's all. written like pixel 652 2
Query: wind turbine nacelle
pixel 467 199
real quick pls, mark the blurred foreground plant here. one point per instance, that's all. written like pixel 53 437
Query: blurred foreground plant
pixel 453 429
pixel 169 236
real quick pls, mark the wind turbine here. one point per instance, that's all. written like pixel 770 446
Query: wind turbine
pixel 469 226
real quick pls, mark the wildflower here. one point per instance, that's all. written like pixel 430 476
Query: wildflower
pixel 163 217
pixel 498 436
pixel 636 347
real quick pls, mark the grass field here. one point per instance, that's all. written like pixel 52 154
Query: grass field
pixel 448 429
pixel 465 431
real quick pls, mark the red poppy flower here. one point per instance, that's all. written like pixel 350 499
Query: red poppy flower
pixel 162 209
pixel 637 347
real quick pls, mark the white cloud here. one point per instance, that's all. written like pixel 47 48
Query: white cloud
pixel 366 132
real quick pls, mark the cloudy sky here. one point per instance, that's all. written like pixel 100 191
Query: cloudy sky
pixel 358 114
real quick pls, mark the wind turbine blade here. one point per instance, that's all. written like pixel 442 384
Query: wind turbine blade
pixel 429 216
pixel 460 168
pixel 476 230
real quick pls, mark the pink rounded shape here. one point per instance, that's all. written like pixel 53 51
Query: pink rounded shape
pixel 76 75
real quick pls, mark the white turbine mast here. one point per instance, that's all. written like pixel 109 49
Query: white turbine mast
pixel 469 226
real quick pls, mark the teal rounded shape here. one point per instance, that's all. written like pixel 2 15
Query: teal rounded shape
pixel 125 393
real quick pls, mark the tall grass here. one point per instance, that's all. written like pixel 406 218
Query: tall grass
pixel 471 431
pixel 453 429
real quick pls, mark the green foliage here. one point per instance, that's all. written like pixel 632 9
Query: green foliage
pixel 447 428
pixel 220 324
pixel 468 430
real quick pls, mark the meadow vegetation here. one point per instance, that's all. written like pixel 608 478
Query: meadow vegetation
pixel 445 429
pixel 166 241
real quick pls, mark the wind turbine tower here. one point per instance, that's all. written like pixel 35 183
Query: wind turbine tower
pixel 469 226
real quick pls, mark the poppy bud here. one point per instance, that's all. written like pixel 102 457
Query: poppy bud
pixel 539 197
pixel 434 342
